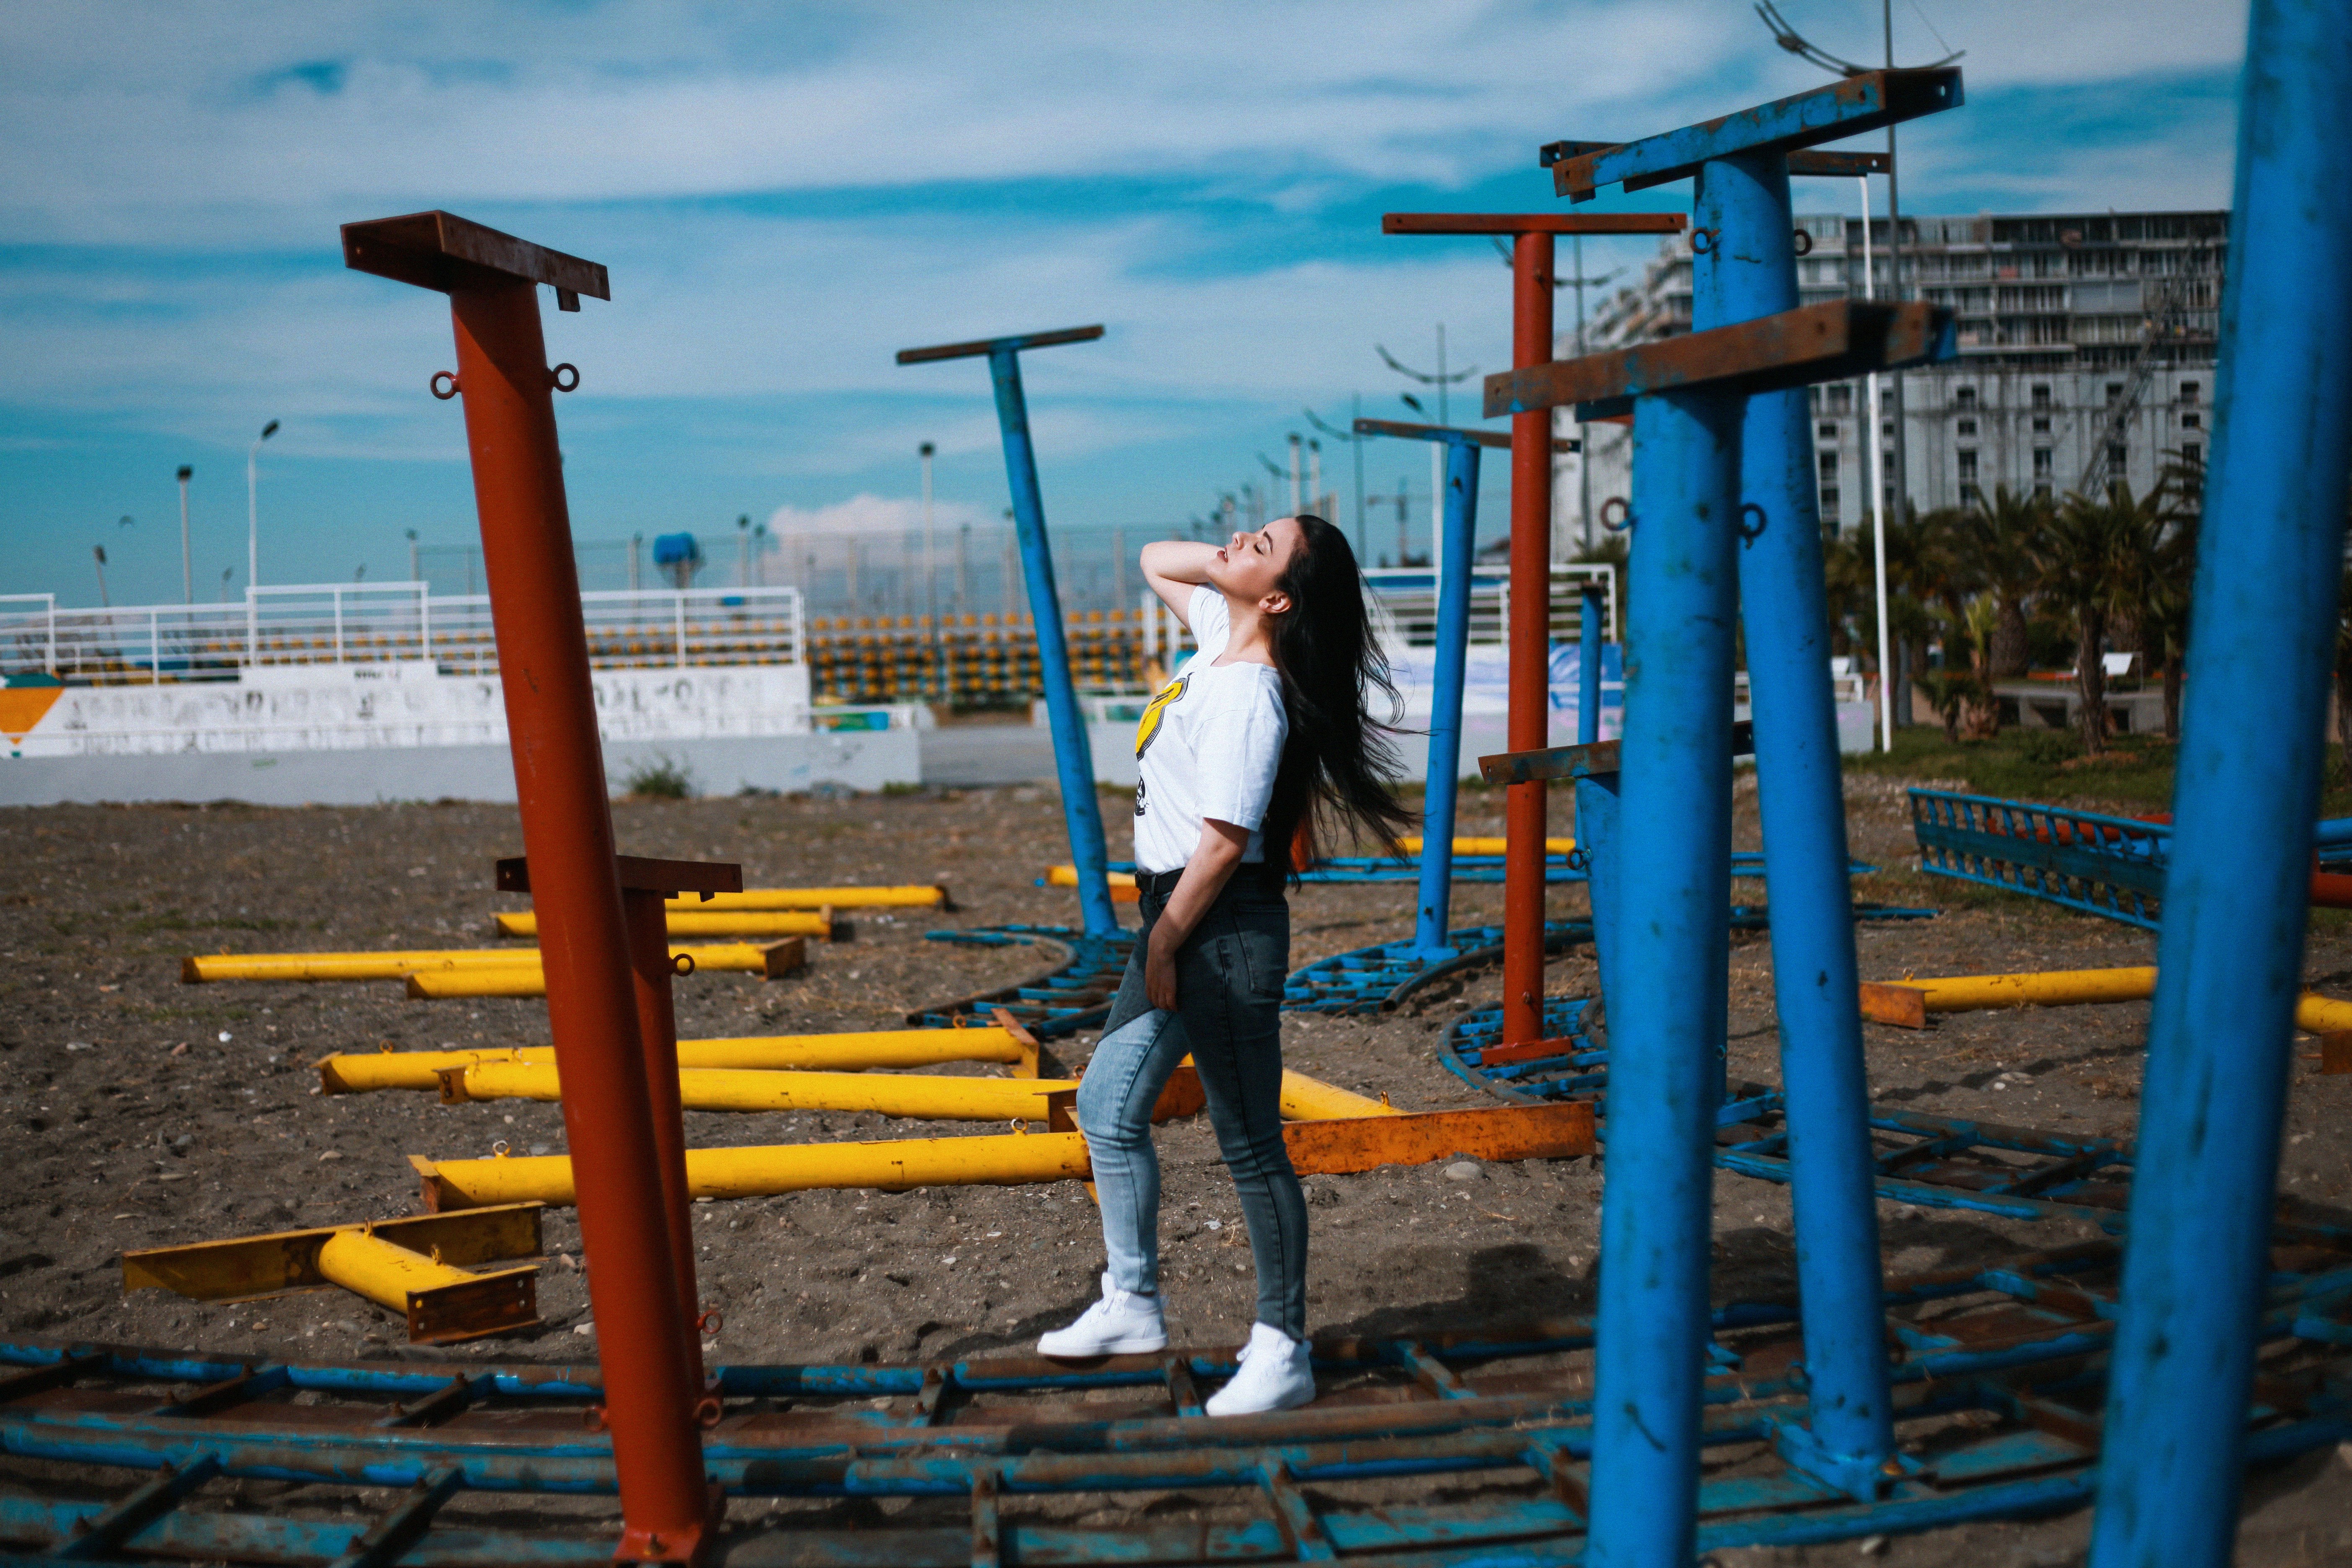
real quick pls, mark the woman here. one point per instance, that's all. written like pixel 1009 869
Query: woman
pixel 1264 725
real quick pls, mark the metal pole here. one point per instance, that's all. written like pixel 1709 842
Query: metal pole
pixel 187 568
pixel 1073 758
pixel 567 825
pixel 1850 1436
pixel 1315 481
pixel 938 682
pixel 1894 293
pixel 2229 958
pixel 1296 508
pixel 1666 1019
pixel 645 914
pixel 1583 432
pixel 1357 447
pixel 1878 504
pixel 1443 780
pixel 1528 722
pixel 1596 799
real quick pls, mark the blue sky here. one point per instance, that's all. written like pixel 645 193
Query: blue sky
pixel 786 195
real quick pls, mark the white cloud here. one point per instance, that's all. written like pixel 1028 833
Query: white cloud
pixel 869 515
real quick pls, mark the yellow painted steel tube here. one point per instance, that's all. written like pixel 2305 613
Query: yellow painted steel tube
pixel 850 1052
pixel 357 1072
pixel 198 968
pixel 382 1272
pixel 2051 988
pixel 2317 1014
pixel 925 1098
pixel 1411 844
pixel 1310 1099
pixel 1067 877
pixel 727 922
pixel 907 898
pixel 528 979
pixel 895 1165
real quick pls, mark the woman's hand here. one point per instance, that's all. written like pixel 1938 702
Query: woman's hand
pixel 1221 850
pixel 1160 973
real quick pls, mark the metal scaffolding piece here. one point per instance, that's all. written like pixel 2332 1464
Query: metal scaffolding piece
pixel 504 379
pixel 1073 755
pixel 2229 956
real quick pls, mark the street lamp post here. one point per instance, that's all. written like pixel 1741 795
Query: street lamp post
pixel 252 542
pixel 187 572
pixel 927 451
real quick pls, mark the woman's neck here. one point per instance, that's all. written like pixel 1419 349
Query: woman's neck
pixel 1248 638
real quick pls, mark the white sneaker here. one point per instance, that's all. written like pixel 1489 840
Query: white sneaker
pixel 1276 1375
pixel 1122 1323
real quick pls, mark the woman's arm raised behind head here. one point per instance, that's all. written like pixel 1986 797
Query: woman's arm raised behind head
pixel 1174 567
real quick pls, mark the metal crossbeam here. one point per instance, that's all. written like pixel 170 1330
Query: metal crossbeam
pixel 1834 341
pixel 1074 994
pixel 1866 102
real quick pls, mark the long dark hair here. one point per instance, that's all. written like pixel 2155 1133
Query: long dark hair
pixel 1337 761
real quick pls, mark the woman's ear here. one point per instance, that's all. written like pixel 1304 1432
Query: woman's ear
pixel 1274 604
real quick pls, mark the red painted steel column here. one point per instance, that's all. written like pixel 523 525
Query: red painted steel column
pixel 1528 726
pixel 648 921
pixel 649 1391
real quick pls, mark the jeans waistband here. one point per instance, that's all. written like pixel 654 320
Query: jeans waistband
pixel 1249 878
pixel 1159 885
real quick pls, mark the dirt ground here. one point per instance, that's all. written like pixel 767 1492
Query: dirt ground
pixel 140 1112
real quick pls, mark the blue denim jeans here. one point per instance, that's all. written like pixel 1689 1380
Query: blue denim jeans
pixel 1229 978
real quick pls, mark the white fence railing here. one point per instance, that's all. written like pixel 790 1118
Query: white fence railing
pixel 346 623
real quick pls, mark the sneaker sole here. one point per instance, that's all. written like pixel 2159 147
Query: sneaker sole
pixel 1115 1347
pixel 1305 1399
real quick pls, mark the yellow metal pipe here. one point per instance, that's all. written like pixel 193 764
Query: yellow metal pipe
pixel 198 968
pixel 727 922
pixel 358 1072
pixel 1411 846
pixel 894 1166
pixel 1309 1099
pixel 382 1272
pixel 2317 1014
pixel 1067 877
pixel 2051 988
pixel 924 1097
pixel 910 897
pixel 528 979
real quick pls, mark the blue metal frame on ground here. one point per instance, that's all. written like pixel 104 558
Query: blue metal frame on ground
pixel 1485 1410
pixel 2087 860
pixel 1072 996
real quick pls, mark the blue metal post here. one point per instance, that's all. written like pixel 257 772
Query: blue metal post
pixel 1596 799
pixel 1666 1019
pixel 1074 762
pixel 1461 525
pixel 2229 958
pixel 1752 272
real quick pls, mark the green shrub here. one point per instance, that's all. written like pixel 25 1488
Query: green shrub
pixel 2048 748
pixel 661 778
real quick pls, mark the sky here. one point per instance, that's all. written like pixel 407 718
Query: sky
pixel 787 193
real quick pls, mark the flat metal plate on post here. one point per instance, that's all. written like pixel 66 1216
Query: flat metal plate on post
pixel 980 348
pixel 639 874
pixel 1835 341
pixel 1597 759
pixel 1866 102
pixel 1496 440
pixel 1841 165
pixel 249 1266
pixel 1533 223
pixel 441 252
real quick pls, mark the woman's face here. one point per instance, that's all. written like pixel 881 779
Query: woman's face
pixel 1251 566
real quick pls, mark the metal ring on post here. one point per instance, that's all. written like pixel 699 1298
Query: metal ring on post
pixel 706 1411
pixel 1714 238
pixel 498 1150
pixel 1625 512
pixel 592 1418
pixel 1577 860
pixel 555 377
pixel 681 964
pixel 711 1321
pixel 1747 533
pixel 436 388
pixel 1804 242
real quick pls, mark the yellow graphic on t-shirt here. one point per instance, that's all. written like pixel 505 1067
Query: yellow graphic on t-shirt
pixel 1149 725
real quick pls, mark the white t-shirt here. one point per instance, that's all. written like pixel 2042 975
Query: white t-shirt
pixel 1207 747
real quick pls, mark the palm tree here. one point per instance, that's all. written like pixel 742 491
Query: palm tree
pixel 2090 557
pixel 1997 537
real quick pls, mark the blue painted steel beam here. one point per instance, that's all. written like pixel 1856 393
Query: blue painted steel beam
pixel 1667 1008
pixel 1848 108
pixel 1752 271
pixel 2270 562
pixel 1074 764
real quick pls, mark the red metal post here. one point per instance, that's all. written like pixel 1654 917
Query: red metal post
pixel 649 963
pixel 1528 724
pixel 650 1392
